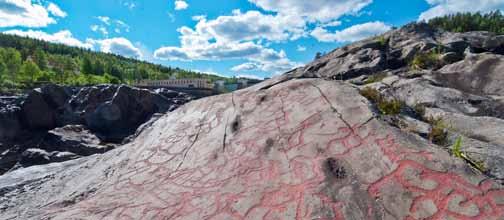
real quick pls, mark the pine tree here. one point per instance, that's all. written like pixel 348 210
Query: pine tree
pixel 464 22
pixel 41 59
pixel 87 66
pixel 98 68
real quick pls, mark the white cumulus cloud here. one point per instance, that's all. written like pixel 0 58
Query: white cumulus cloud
pixel 249 76
pixel 245 67
pixel 61 37
pixel 56 11
pixel 120 46
pixel 224 38
pixel 314 10
pixel 251 25
pixel 351 34
pixel 444 7
pixel 181 5
pixel 249 35
pixel 24 13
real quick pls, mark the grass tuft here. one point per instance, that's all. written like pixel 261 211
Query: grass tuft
pixel 457 152
pixel 438 134
pixel 375 78
pixel 430 60
pixel 385 106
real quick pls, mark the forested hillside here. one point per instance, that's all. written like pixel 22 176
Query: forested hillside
pixel 24 62
pixel 464 22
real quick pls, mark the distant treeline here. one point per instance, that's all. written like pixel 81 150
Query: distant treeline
pixel 464 22
pixel 24 62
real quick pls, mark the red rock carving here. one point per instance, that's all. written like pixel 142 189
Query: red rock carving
pixel 244 182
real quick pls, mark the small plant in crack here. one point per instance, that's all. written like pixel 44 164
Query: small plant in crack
pixel 427 60
pixel 383 41
pixel 375 78
pixel 385 106
pixel 371 94
pixel 419 110
pixel 438 134
pixel 390 107
pixel 456 150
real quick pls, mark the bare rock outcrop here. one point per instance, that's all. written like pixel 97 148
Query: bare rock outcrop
pixel 306 148
pixel 357 134
pixel 55 123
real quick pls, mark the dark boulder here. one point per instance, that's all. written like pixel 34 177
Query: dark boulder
pixel 55 96
pixel 119 117
pixel 55 123
pixel 37 114
pixel 10 124
pixel 42 108
pixel 9 157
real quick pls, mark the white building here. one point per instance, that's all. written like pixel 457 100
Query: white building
pixel 178 83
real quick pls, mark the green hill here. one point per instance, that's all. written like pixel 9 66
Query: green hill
pixel 25 62
pixel 464 22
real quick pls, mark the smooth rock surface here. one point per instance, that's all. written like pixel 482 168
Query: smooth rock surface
pixel 291 147
pixel 306 149
pixel 477 74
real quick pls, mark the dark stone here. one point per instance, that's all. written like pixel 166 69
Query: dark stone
pixel 55 96
pixel 88 119
pixel 269 145
pixel 451 57
pixel 334 169
pixel 235 126
pixel 37 114
pixel 10 124
pixel 119 117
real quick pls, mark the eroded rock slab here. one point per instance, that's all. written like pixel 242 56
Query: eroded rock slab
pixel 301 149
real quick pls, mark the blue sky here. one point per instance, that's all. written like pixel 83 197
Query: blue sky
pixel 227 37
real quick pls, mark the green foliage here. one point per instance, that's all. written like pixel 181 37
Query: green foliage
pixel 419 110
pixel 29 72
pixel 76 66
pixel 437 134
pixel 385 106
pixel 3 70
pixel 383 41
pixel 87 66
pixel 371 94
pixel 457 152
pixel 12 58
pixel 464 22
pixel 41 59
pixel 457 148
pixel 375 78
pixel 390 107
pixel 429 60
pixel 99 68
